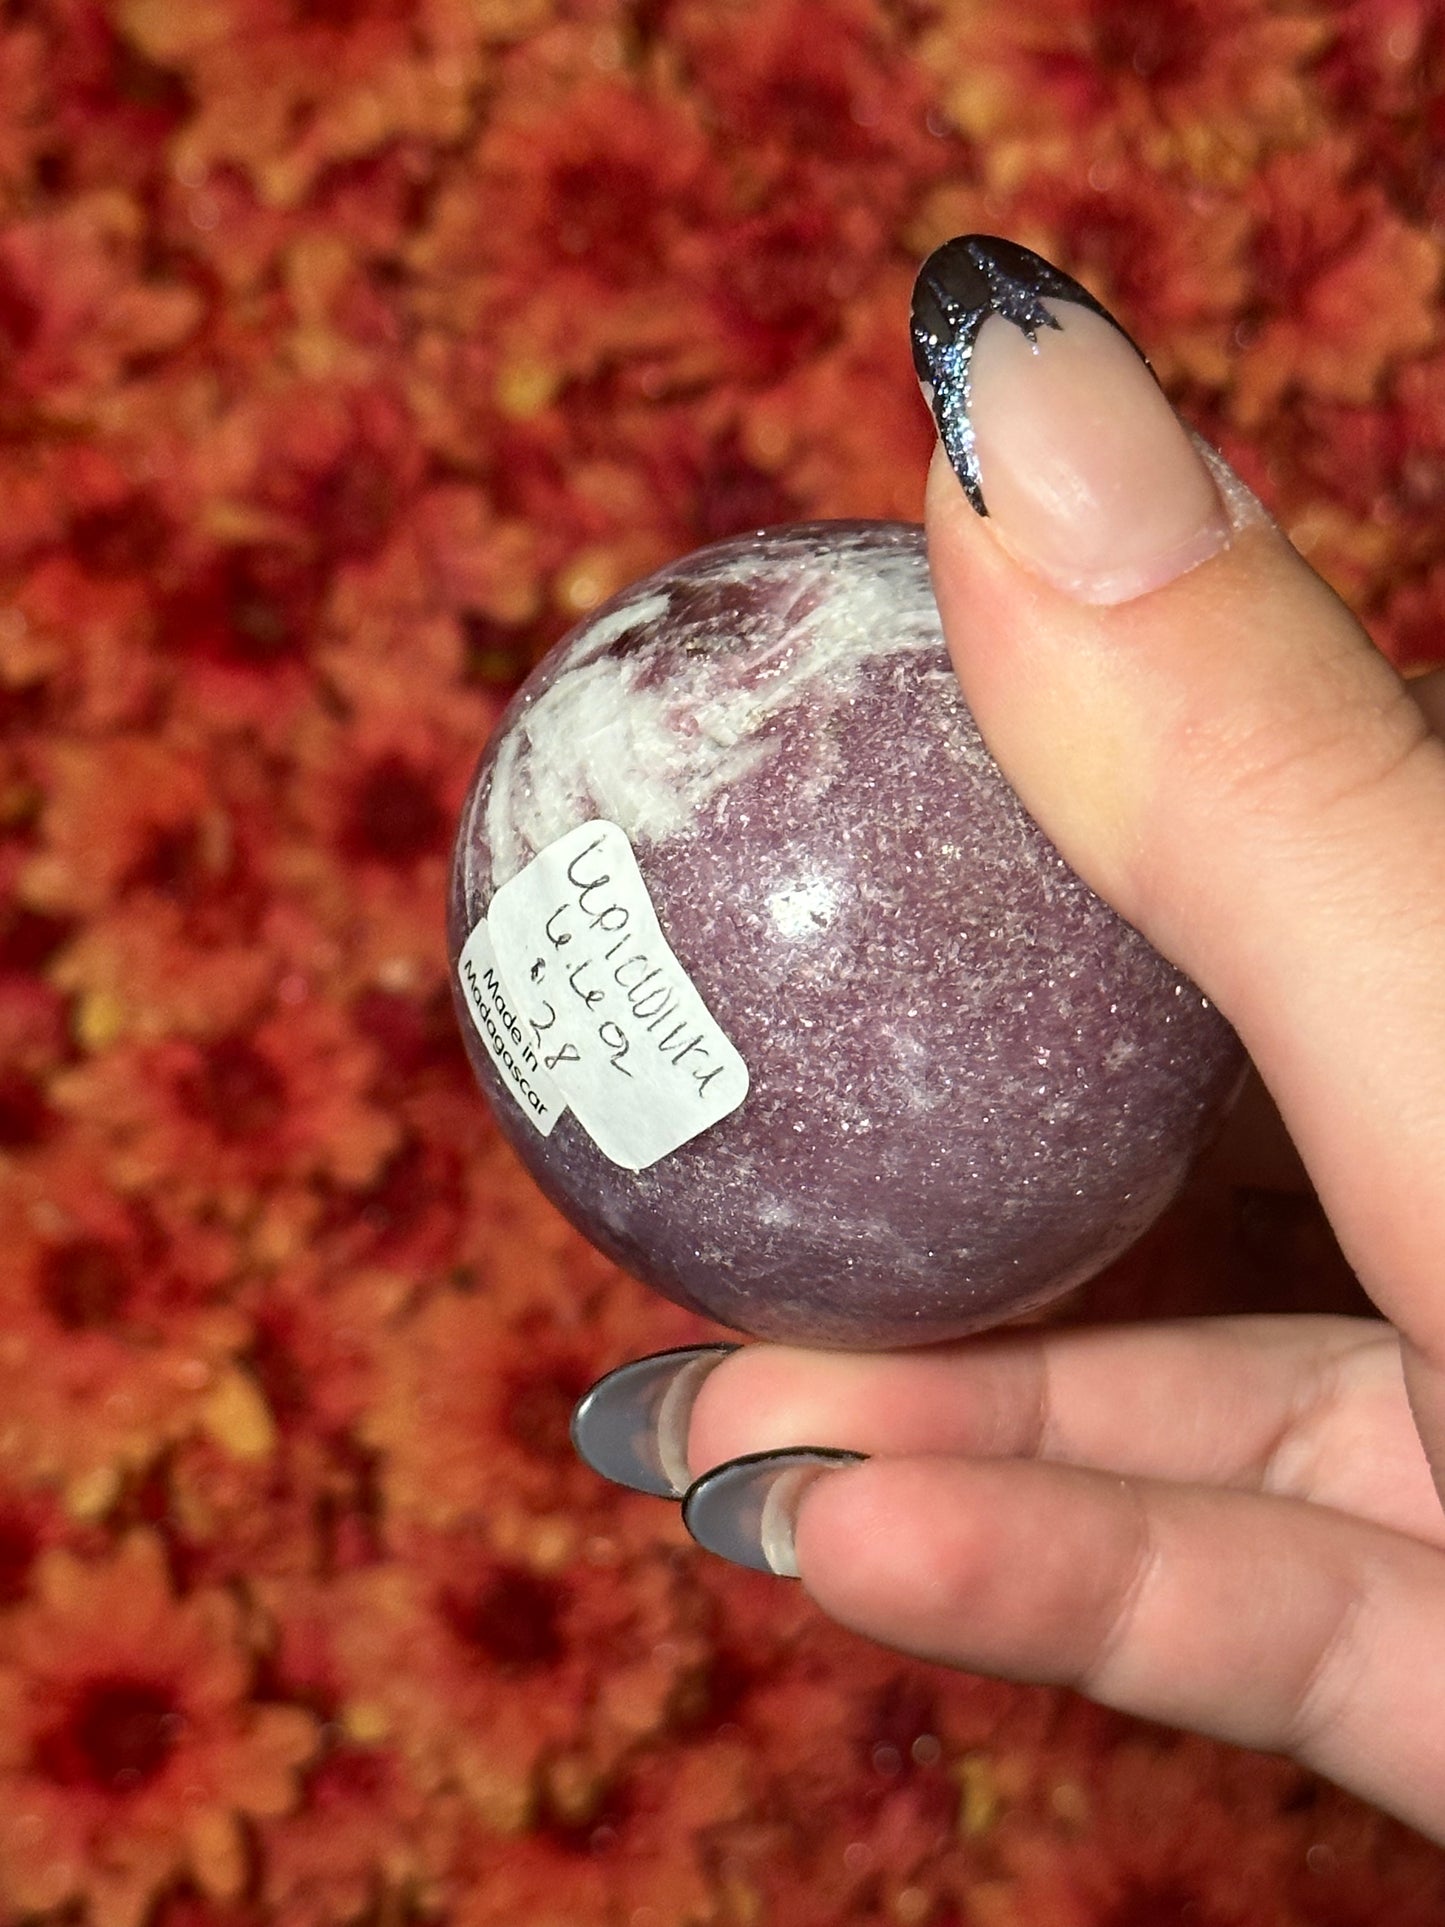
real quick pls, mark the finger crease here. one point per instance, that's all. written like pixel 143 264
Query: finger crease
pixel 1040 1444
pixel 1290 1457
pixel 1321 1695
pixel 1124 1610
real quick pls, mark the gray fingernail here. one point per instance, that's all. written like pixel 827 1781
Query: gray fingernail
pixel 747 1509
pixel 631 1426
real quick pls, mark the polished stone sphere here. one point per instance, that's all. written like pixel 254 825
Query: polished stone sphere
pixel 959 1083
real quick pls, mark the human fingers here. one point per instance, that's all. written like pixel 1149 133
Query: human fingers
pixel 1266 1622
pixel 1209 737
pixel 1303 1407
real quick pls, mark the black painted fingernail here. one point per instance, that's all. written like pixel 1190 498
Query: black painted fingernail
pixel 958 287
pixel 631 1426
pixel 746 1510
pixel 1091 479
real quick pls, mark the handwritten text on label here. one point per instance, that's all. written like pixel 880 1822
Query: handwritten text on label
pixel 612 1015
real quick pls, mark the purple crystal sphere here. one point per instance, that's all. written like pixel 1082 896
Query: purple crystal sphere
pixel 969 1083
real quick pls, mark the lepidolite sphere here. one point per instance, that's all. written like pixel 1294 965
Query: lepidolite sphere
pixel 969 1083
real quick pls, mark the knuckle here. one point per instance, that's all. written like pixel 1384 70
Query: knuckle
pixel 1296 785
pixel 1304 759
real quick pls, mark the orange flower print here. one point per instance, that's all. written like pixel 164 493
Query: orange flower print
pixel 80 303
pixel 372 804
pixel 211 1119
pixel 129 1752
pixel 824 97
pixel 644 1847
pixel 1053 85
pixel 357 1838
pixel 114 1331
pixel 232 634
pixel 109 807
pixel 471 1409
pixel 479 1667
pixel 283 92
pixel 1344 289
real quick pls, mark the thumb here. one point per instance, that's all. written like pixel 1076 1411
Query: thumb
pixel 1209 737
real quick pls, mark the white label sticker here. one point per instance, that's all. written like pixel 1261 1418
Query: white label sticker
pixel 611 1013
pixel 511 1048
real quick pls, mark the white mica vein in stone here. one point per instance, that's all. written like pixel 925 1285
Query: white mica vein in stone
pixel 613 736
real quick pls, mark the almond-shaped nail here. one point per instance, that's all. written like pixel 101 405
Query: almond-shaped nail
pixel 1056 427
pixel 631 1426
pixel 746 1510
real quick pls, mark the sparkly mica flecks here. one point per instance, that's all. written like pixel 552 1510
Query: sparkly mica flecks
pixel 958 287
pixel 971 1084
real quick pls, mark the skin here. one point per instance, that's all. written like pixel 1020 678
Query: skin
pixel 1231 1525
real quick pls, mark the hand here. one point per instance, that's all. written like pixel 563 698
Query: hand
pixel 1232 1525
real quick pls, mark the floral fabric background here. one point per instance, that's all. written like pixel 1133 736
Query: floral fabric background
pixel 349 351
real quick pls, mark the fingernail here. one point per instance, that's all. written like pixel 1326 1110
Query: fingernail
pixel 1055 425
pixel 631 1426
pixel 747 1509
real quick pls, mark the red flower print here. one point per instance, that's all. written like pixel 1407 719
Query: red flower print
pixel 86 536
pixel 472 1407
pixel 77 304
pixel 611 174
pixel 827 96
pixel 235 632
pixel 561 234
pixel 1169 257
pixel 180 948
pixel 408 1217
pixel 1133 1829
pixel 1411 627
pixel 304 488
pixel 1381 467
pixel 284 90
pixel 244 1500
pixel 31 1523
pixel 129 1753
pixel 350 352
pixel 1053 85
pixel 452 566
pixel 210 1120
pixel 646 1844
pixel 114 1331
pixel 33 1028
pixel 479 1667
pixel 81 640
pixel 110 109
pixel 23 68
pixel 360 1831
pixel 138 971
pixel 865 457
pixel 110 807
pixel 374 800
pixel 1343 288
pixel 782 280
pixel 1381 76
pixel 315 1340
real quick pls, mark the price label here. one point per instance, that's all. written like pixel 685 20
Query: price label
pixel 607 1016
pixel 510 1046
